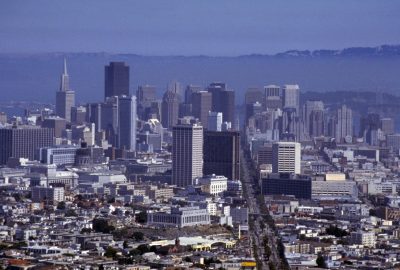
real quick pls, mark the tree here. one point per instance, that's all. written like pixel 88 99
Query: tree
pixel 101 225
pixel 61 206
pixel 138 236
pixel 320 261
pixel 110 252
pixel 141 217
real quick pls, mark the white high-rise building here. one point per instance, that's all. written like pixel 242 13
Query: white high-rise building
pixel 127 122
pixel 214 121
pixel 187 154
pixel 291 97
pixel 65 97
pixel 272 97
pixel 286 157
pixel 344 123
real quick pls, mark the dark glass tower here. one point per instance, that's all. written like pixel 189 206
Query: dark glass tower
pixel 221 153
pixel 116 79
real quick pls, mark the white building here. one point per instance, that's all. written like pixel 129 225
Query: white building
pixel 214 184
pixel 179 217
pixel 363 238
pixel 291 97
pixel 286 157
pixel 127 122
pixel 334 189
pixel 51 194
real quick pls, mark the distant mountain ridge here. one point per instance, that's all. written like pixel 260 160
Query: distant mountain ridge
pixel 35 76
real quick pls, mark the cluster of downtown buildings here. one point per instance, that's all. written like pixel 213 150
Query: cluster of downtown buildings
pixel 330 188
pixel 135 182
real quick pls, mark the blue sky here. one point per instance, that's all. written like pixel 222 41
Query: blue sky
pixel 201 27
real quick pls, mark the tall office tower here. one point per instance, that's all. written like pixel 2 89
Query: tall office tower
pixel 127 123
pixel 272 97
pixel 78 115
pixel 65 97
pixel 116 80
pixel 187 154
pixel 190 89
pixel 170 109
pixel 316 123
pixel 175 87
pixel 308 108
pixel 387 125
pixel 252 95
pixel 286 157
pixel 221 153
pixel 110 119
pixel 291 97
pixel 223 100
pixel 146 94
pixel 201 105
pixel 23 141
pixel 58 124
pixel 214 121
pixel 93 114
pixel 344 123
pixel 369 128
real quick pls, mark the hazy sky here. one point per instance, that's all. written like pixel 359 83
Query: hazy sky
pixel 194 27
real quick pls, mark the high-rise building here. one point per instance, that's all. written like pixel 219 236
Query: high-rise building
pixel 170 109
pixel 187 154
pixel 316 123
pixel 221 154
pixel 23 141
pixel 116 79
pixel 291 97
pixel 201 105
pixel 175 87
pixel 110 119
pixel 309 107
pixel 253 95
pixel 65 97
pixel 127 122
pixel 344 123
pixel 272 97
pixel 286 157
pixel 146 94
pixel 190 89
pixel 78 115
pixel 223 100
pixel 56 123
pixel 214 121
pixel 387 125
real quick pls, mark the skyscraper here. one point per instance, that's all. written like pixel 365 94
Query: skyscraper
pixel 170 109
pixel 65 97
pixel 309 107
pixel 201 105
pixel 286 157
pixel 221 153
pixel 187 154
pixel 272 97
pixel 116 79
pixel 190 89
pixel 291 97
pixel 146 94
pixel 223 100
pixel 127 122
pixel 214 121
pixel 23 141
pixel 252 95
pixel 344 123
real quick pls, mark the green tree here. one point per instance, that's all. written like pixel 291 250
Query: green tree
pixel 141 217
pixel 320 261
pixel 61 206
pixel 110 252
